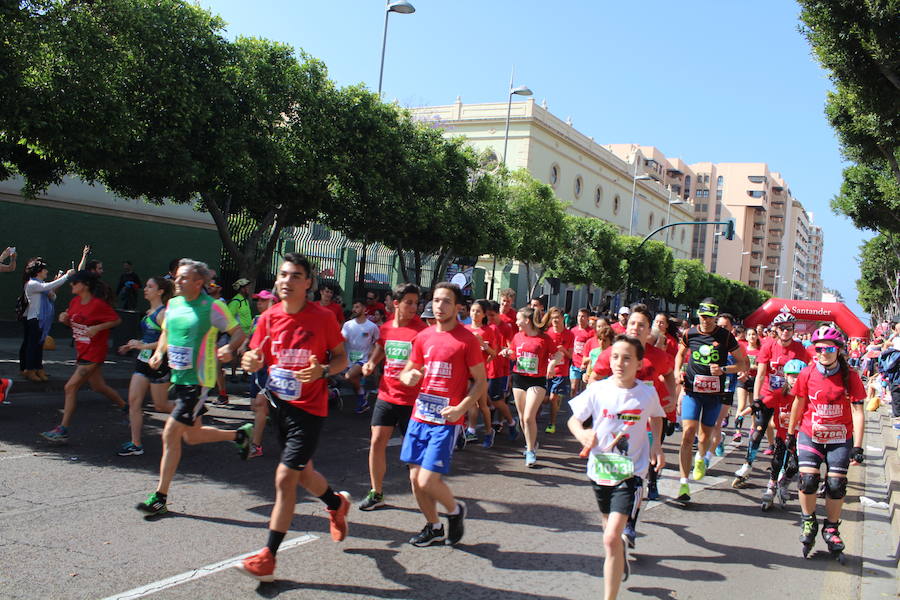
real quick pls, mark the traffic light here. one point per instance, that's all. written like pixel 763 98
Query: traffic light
pixel 729 230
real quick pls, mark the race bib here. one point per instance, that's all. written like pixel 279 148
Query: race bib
pixel 776 382
pixel 181 358
pixel 707 384
pixel 578 350
pixel 284 383
pixel 829 433
pixel 79 333
pixel 396 354
pixel 356 356
pixel 752 358
pixel 610 468
pixel 784 418
pixel 144 355
pixel 428 408
pixel 527 363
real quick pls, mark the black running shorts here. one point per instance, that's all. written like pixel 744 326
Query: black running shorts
pixel 388 414
pixel 160 375
pixel 298 434
pixel 524 382
pixel 189 404
pixel 622 498
pixel 727 399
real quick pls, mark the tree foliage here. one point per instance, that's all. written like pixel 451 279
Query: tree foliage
pixel 589 253
pixel 879 282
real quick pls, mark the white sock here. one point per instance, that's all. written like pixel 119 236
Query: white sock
pixel 709 455
pixel 470 430
pixel 683 480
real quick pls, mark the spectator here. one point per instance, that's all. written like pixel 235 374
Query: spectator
pixel 128 286
pixel 38 299
pixel 11 254
pixel 372 305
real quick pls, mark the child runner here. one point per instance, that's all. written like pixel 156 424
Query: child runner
pixel 498 371
pixel 558 384
pixel 603 339
pixel 621 409
pixel 828 413
pixel 444 358
pixel 489 345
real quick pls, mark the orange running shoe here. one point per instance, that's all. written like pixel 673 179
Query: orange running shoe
pixel 261 566
pixel 338 518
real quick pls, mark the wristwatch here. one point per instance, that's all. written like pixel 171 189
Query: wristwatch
pixel 325 368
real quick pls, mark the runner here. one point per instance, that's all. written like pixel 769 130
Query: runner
pixel 828 412
pixel 582 333
pixel 498 371
pixel 443 359
pixel 746 380
pixel 258 401
pixel 535 356
pixel 394 405
pixel 620 326
pixel 603 339
pixel 239 307
pixel 327 293
pixel 769 381
pixel 726 322
pixel 537 303
pixel 193 321
pixel 621 411
pixel 508 306
pixel 558 384
pixel 361 334
pixel 665 340
pixel 157 291
pixel 90 318
pixel 489 346
pixel 655 369
pixel 300 345
pixel 371 306
pixel 705 350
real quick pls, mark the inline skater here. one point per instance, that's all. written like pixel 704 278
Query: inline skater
pixel 784 463
pixel 828 414
pixel 705 349
pixel 769 381
pixel 300 345
pixel 621 410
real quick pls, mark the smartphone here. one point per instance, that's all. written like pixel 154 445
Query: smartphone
pixel 12 250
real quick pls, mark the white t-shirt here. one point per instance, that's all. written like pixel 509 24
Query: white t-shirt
pixel 616 410
pixel 360 339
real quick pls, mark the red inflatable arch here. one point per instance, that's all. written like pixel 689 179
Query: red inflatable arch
pixel 807 310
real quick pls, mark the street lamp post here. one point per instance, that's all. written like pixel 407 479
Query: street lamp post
pixel 634 181
pixel 669 213
pixel 513 91
pixel 741 270
pixel 762 275
pixel 398 6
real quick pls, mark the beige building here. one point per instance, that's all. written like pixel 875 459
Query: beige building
pixel 814 287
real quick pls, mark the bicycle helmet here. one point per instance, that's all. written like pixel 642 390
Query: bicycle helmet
pixel 826 333
pixel 794 366
pixel 783 317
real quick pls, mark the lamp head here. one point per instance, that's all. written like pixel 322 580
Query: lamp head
pixel 401 6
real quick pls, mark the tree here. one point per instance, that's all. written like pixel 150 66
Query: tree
pixel 646 266
pixel 879 281
pixel 589 254
pixel 688 281
pixel 870 196
pixel 536 223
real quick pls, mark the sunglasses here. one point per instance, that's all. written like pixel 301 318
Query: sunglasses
pixel 823 349
pixel 785 327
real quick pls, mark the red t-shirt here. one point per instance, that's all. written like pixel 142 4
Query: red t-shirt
pixel 531 354
pixel 752 356
pixel 336 309
pixel 656 364
pixel 827 418
pixel 776 356
pixel 581 338
pixel 82 316
pixel 292 339
pixel 592 351
pixel 618 328
pixel 371 309
pixel 564 339
pixel 447 357
pixel 509 317
pixel 486 333
pixel 397 345
pixel 503 334
pixel 671 346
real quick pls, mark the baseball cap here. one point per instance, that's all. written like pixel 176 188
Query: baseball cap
pixel 624 311
pixel 707 310
pixel 264 295
pixel 428 313
pixel 240 283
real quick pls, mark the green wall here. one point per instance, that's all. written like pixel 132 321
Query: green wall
pixel 58 235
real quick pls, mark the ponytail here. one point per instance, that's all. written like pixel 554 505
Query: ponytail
pixel 845 372
pixel 531 315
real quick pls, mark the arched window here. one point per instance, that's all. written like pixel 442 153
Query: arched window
pixel 650 221
pixel 554 175
pixel 616 205
pixel 598 196
pixel 720 182
pixel 578 185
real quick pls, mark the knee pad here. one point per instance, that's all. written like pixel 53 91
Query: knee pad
pixel 809 483
pixel 835 487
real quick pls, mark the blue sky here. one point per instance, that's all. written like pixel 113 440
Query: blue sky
pixel 703 81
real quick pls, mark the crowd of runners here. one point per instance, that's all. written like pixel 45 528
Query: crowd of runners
pixel 448 368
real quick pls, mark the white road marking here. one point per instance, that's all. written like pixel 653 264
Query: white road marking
pixel 162 584
pixel 29 455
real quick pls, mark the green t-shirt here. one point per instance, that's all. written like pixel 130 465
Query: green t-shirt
pixel 191 331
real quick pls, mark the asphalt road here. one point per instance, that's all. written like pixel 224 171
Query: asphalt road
pixel 68 527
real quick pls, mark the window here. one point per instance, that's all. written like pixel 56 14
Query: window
pixel 756 193
pixel 757 178
pixel 650 221
pixel 578 184
pixel 706 178
pixel 719 195
pixel 687 183
pixel 682 236
pixel 616 205
pixel 720 182
pixel 554 175
pixel 598 196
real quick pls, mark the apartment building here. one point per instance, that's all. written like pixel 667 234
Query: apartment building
pixel 814 266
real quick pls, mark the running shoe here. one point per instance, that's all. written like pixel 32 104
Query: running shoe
pixel 460 439
pixel 513 430
pixel 372 501
pixel 260 566
pixel 720 449
pixel 5 387
pixel 57 435
pixel 628 535
pixel 769 451
pixel 429 536
pixel 471 436
pixel 684 493
pixel 498 427
pixel 488 439
pixel 337 519
pixel 743 470
pixel 896 422
pixel 130 449
pixel 456 524
pixel 153 505
pixel 699 468
pixel 255 451
pixel 737 437
pixel 550 429
pixel 530 458
pixel 221 400
pixel 652 491
pixel 242 440
pixel 362 405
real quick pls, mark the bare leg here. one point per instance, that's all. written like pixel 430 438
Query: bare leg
pixel 554 407
pixel 99 385
pixel 81 375
pixel 430 489
pixel 381 435
pixel 137 389
pixel 614 563
pixel 534 397
pixel 685 452
pixel 260 412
